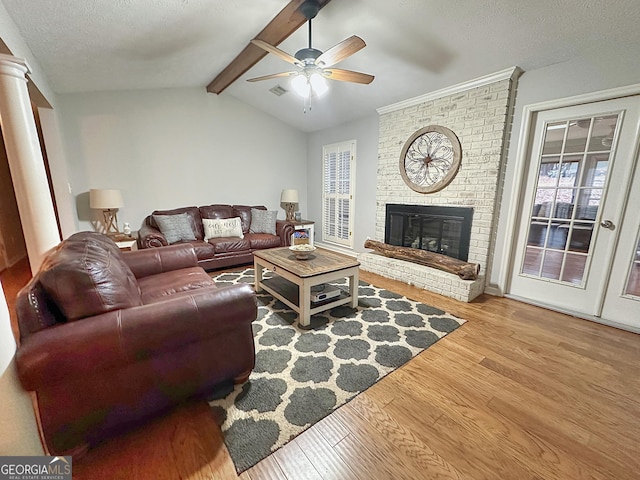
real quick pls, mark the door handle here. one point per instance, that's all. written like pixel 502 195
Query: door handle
pixel 608 224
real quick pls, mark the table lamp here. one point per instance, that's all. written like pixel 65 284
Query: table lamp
pixel 108 201
pixel 289 198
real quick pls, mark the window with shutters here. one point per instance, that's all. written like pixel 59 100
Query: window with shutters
pixel 338 172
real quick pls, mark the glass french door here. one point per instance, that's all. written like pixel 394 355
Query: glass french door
pixel 578 184
pixel 622 302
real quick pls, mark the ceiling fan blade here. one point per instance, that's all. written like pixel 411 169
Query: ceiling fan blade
pixel 276 51
pixel 339 52
pixel 273 75
pixel 348 76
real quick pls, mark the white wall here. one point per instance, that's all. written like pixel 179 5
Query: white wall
pixel 172 148
pixel 65 202
pixel 365 132
pixel 590 73
pixel 17 421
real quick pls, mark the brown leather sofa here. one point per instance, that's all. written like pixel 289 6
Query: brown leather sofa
pixel 218 252
pixel 111 338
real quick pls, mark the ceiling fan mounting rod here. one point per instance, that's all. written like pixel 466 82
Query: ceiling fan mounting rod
pixel 310 9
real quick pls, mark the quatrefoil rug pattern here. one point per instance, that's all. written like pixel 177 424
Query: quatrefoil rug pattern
pixel 303 375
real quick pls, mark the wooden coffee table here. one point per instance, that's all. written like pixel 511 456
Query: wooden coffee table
pixel 294 278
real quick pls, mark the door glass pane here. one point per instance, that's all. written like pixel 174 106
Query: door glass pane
pixel 633 282
pixel 564 203
pixel 552 264
pixel 569 170
pixel 581 237
pixel 558 233
pixel 554 137
pixel 574 265
pixel 548 173
pixel 597 166
pixel 532 261
pixel 538 233
pixel 603 132
pixel 542 207
pixel 577 135
pixel 588 203
pixel 572 173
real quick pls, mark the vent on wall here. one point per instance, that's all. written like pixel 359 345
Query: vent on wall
pixel 278 90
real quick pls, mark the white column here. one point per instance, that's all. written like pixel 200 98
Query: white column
pixel 25 161
pixel 18 425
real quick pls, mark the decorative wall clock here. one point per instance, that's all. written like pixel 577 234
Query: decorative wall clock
pixel 430 159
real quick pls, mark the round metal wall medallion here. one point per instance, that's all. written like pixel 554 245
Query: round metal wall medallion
pixel 430 159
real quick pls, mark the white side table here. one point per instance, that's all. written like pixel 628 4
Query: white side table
pixel 127 245
pixel 305 225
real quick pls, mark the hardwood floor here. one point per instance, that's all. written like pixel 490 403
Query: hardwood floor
pixel 518 392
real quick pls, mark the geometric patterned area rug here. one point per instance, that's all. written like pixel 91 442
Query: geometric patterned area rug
pixel 301 376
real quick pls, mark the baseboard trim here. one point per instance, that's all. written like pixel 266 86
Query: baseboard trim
pixel 493 290
pixel 592 318
pixel 337 249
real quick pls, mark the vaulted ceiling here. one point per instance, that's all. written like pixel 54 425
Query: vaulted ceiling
pixel 413 46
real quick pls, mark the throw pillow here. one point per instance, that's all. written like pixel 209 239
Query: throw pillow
pixel 222 227
pixel 263 221
pixel 175 228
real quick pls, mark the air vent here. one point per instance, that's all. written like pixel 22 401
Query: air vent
pixel 278 90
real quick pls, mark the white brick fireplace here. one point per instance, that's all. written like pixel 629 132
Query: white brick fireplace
pixel 479 113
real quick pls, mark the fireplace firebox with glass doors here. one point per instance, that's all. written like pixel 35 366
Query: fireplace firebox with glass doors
pixel 439 229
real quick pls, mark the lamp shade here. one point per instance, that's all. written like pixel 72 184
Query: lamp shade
pixel 289 196
pixel 105 199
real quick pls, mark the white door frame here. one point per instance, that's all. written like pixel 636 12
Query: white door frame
pixel 524 146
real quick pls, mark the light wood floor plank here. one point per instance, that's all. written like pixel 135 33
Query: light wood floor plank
pixel 267 469
pixel 294 464
pixel 369 465
pixel 324 458
pixel 332 429
pixel 398 442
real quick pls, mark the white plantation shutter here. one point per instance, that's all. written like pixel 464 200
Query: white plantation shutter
pixel 337 192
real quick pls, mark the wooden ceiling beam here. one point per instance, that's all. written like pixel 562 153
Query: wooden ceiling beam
pixel 277 30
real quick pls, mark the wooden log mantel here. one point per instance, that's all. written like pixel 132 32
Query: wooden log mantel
pixel 465 270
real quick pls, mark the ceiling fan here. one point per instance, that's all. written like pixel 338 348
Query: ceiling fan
pixel 314 66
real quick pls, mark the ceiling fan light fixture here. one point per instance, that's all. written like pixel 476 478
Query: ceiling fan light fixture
pixel 318 84
pixel 306 85
pixel 301 86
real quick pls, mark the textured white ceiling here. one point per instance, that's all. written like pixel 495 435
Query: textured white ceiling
pixel 413 46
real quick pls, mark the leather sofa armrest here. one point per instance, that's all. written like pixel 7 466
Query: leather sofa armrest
pixel 159 260
pixel 123 337
pixel 284 230
pixel 149 237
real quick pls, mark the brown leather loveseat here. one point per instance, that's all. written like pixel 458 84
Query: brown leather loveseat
pixel 223 251
pixel 111 338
